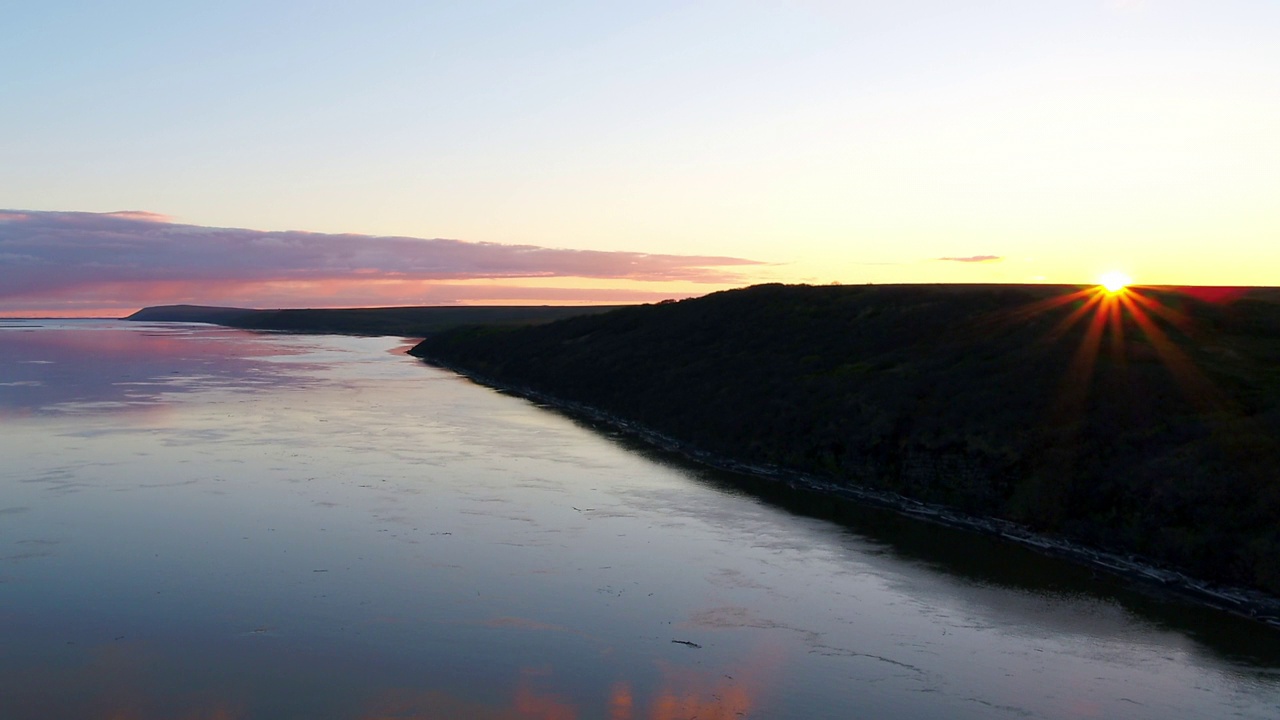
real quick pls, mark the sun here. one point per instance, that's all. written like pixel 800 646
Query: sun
pixel 1114 281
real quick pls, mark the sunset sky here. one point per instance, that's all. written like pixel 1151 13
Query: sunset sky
pixel 275 154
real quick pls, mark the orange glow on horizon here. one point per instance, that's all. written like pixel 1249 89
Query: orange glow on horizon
pixel 102 313
pixel 116 300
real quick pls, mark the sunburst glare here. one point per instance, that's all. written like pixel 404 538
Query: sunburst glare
pixel 1114 281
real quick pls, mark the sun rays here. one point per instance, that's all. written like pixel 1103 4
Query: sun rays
pixel 1122 316
pixel 1121 327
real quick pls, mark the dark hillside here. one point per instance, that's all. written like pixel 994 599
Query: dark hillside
pixel 1156 433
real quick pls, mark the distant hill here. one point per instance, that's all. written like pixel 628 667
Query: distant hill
pixel 1155 432
pixel 401 321
pixel 188 313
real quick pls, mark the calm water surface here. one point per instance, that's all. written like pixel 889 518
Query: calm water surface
pixel 204 523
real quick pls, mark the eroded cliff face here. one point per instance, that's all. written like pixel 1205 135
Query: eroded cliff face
pixel 1146 423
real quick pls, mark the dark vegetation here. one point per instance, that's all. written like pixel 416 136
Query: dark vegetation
pixel 402 321
pixel 1160 444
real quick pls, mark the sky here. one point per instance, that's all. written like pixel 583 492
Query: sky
pixel 291 154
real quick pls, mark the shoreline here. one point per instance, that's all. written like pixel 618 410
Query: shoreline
pixel 1239 601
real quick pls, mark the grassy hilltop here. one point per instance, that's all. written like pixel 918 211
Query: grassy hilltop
pixel 1153 429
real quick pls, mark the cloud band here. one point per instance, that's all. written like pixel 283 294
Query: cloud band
pixel 143 258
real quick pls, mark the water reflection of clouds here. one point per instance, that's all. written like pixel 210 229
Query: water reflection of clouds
pixel 109 367
pixel 139 680
pixel 682 692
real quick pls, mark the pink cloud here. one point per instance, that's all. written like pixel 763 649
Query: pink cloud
pixel 136 258
pixel 139 215
pixel 974 259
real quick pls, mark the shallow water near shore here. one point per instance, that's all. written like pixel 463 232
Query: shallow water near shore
pixel 198 522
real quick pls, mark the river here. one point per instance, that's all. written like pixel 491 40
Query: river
pixel 205 523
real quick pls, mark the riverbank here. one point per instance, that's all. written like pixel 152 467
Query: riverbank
pixel 1239 601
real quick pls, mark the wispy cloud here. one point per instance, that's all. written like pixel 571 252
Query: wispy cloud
pixel 134 258
pixel 974 259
